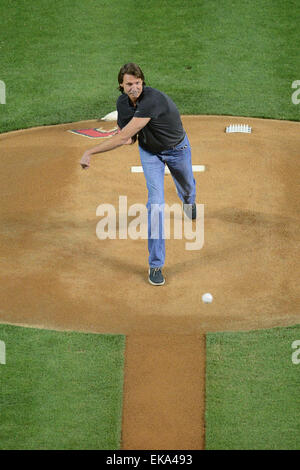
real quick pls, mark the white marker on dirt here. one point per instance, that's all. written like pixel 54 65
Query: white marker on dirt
pixel 139 169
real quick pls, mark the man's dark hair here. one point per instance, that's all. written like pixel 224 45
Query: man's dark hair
pixel 130 69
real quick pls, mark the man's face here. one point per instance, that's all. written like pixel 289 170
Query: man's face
pixel 132 86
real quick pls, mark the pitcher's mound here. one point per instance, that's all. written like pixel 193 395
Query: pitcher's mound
pixel 56 273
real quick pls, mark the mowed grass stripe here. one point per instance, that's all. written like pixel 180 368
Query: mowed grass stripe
pixel 60 390
pixel 252 390
pixel 60 60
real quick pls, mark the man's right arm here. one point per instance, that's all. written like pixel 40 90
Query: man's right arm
pixel 121 138
pixel 131 140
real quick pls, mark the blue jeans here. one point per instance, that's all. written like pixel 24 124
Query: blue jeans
pixel 179 162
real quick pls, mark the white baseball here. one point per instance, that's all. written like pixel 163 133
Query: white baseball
pixel 207 298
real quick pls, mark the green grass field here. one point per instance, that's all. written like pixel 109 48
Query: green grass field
pixel 60 60
pixel 60 390
pixel 252 394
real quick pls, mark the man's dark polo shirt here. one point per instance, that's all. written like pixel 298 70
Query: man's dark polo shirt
pixel 164 130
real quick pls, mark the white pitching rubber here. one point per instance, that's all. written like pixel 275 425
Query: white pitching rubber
pixel 139 169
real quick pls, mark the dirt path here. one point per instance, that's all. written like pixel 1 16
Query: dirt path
pixel 57 274
pixel 163 392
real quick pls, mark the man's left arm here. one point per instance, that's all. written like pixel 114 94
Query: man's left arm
pixel 132 128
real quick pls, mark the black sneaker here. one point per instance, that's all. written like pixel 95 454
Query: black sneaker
pixel 156 277
pixel 190 210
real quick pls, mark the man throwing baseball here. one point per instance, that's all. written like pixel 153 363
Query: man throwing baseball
pixel 152 117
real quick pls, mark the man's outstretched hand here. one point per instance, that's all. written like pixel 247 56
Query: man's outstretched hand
pixel 85 160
